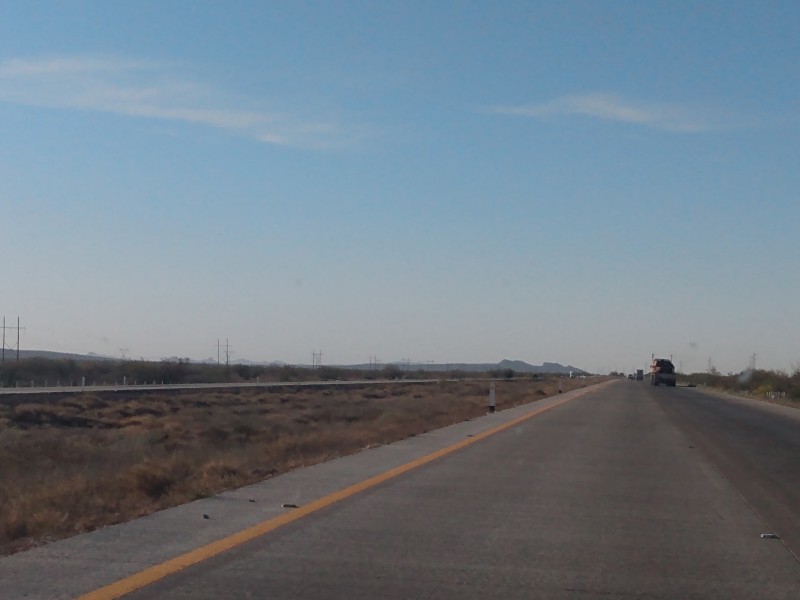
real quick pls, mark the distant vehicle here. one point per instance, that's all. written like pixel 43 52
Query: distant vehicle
pixel 639 374
pixel 662 371
pixel 630 375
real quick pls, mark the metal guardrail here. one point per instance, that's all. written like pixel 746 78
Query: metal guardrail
pixel 75 389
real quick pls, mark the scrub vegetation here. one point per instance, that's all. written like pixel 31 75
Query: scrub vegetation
pixel 44 372
pixel 774 386
pixel 70 463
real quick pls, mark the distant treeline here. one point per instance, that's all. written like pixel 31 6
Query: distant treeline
pixel 40 372
pixel 764 384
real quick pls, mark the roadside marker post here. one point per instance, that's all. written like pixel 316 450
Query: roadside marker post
pixel 492 402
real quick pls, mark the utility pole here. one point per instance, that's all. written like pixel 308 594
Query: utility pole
pixel 227 347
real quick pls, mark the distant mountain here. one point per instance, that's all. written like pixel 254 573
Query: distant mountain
pixel 518 366
pixel 242 361
pixel 50 355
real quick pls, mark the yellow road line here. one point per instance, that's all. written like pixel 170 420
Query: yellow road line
pixel 156 572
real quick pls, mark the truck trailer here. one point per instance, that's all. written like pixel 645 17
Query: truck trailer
pixel 662 371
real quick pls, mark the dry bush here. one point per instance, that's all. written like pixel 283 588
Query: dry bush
pixel 74 463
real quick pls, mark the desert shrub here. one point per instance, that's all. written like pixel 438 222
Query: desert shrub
pixel 330 373
pixel 161 449
pixel 392 372
pixel 154 478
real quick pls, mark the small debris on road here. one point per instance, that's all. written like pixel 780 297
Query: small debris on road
pixel 251 500
pixel 770 536
pixel 289 505
pixel 205 516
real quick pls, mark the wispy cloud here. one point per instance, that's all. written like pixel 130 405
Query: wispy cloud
pixel 609 107
pixel 67 65
pixel 146 89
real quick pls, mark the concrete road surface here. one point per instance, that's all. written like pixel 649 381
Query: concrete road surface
pixel 626 491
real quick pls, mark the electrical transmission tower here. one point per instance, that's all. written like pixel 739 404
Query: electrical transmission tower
pixel 6 345
pixel 316 358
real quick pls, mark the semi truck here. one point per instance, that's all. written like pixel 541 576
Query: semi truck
pixel 639 375
pixel 662 371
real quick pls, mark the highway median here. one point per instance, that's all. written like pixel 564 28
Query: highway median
pixel 78 462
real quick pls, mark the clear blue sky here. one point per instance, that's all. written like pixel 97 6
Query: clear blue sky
pixel 580 182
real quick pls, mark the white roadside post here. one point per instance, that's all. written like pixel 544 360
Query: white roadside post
pixel 491 398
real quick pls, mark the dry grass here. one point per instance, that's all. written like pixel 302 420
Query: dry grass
pixel 72 463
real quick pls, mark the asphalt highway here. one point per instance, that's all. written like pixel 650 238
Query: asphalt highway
pixel 626 491
pixel 755 445
pixel 604 496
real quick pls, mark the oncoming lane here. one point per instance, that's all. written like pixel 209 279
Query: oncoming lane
pixel 755 445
